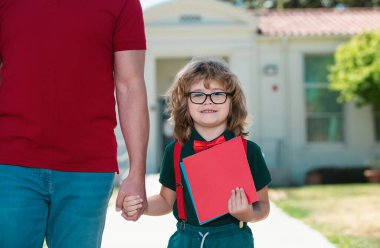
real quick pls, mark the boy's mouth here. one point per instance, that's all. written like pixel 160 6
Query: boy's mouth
pixel 208 111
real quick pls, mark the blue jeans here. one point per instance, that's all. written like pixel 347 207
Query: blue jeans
pixel 66 208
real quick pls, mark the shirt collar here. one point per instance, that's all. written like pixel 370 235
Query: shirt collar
pixel 196 136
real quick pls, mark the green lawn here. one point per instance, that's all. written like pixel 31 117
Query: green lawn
pixel 348 215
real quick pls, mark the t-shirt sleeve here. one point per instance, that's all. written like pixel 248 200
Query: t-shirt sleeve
pixel 259 169
pixel 167 177
pixel 129 31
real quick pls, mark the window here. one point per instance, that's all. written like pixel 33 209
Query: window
pixel 324 116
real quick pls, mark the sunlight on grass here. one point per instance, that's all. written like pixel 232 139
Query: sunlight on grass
pixel 348 215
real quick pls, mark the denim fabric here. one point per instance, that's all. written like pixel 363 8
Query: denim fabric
pixel 68 208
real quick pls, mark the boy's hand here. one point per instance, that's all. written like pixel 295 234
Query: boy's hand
pixel 132 204
pixel 238 205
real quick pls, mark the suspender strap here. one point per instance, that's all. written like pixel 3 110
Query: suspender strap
pixel 178 182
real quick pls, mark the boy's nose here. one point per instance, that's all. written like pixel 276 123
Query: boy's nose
pixel 208 100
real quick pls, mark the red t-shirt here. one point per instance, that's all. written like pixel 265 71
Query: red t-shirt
pixel 57 106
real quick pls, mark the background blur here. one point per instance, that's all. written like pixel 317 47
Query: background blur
pixel 281 51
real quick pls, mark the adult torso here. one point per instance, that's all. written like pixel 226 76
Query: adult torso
pixel 57 107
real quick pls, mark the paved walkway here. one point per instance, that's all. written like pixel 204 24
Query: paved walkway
pixel 278 230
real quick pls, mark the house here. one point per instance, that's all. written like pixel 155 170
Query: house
pixel 281 58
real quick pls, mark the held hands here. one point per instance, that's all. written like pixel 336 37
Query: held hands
pixel 132 186
pixel 132 204
pixel 238 205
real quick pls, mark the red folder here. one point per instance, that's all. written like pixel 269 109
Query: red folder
pixel 213 173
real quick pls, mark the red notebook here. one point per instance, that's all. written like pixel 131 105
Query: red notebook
pixel 213 173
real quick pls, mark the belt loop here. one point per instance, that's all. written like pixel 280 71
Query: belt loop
pixel 183 225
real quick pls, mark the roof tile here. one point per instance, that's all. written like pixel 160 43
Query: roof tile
pixel 317 22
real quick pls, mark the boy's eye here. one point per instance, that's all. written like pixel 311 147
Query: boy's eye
pixel 219 94
pixel 197 94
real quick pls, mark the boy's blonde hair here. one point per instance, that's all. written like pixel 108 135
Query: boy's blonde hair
pixel 206 70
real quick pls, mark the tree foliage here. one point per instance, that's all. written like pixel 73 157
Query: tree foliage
pixel 356 70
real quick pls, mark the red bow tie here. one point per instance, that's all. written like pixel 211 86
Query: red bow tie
pixel 203 145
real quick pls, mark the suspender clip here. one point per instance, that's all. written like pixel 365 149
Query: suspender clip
pixel 179 185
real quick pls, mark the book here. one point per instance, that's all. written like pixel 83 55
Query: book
pixel 212 174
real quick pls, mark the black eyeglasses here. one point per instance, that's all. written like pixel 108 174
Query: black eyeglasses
pixel 216 97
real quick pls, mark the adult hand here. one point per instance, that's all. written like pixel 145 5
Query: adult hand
pixel 132 186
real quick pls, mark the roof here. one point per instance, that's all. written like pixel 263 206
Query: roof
pixel 307 22
pixel 317 22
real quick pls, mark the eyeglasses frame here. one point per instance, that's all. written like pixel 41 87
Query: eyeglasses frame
pixel 208 95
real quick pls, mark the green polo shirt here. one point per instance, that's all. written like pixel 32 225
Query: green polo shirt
pixel 259 170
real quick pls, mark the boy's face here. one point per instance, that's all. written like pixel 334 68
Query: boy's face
pixel 209 114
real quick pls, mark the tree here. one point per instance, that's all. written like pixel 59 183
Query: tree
pixel 356 73
pixel 356 70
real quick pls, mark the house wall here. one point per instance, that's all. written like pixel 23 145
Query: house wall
pixel 286 122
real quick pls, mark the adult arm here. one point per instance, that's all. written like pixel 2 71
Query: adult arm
pixel 134 122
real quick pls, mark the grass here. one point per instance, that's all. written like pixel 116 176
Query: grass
pixel 348 215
